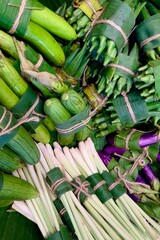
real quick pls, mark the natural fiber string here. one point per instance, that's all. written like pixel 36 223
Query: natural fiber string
pixel 22 120
pixel 57 183
pixel 124 94
pixel 62 212
pixel 128 184
pixel 110 22
pixel 82 187
pixel 17 20
pixel 121 68
pixel 98 185
pixel 128 137
pixel 149 40
pixel 40 60
pixel 84 122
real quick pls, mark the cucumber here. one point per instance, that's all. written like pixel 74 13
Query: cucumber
pixel 73 101
pixel 14 188
pixel 56 111
pixel 45 43
pixel 59 114
pixel 65 140
pixel 9 160
pixel 84 133
pixel 24 146
pixel 53 23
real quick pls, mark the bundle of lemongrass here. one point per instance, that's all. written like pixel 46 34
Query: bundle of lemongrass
pixel 81 181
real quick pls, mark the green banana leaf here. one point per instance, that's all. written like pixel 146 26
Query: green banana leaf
pixel 15 226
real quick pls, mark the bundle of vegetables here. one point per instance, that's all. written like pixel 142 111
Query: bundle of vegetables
pixel 14 95
pixel 81 14
pixel 40 210
pixel 31 22
pixel 28 62
pixel 118 75
pixel 136 152
pixel 16 137
pixel 147 37
pixel 71 116
pixel 126 110
pixel 109 33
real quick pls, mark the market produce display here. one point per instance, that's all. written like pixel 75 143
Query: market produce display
pixel 79 120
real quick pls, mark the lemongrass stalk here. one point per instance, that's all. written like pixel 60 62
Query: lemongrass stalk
pixel 57 145
pixel 49 203
pixel 42 160
pixel 66 199
pixel 35 211
pixel 46 156
pixel 112 233
pixel 71 161
pixel 22 208
pixel 71 215
pixel 39 204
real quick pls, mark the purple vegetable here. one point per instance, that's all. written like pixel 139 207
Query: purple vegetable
pixel 105 157
pixel 145 140
pixel 148 139
pixel 140 179
pixel 111 150
pixel 150 177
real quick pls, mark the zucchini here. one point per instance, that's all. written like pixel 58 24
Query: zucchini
pixel 73 101
pixel 14 188
pixel 56 111
pixel 23 144
pixel 9 160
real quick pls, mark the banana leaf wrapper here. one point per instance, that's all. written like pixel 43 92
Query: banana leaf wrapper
pixel 24 105
pixel 147 33
pixel 75 123
pixel 126 67
pixel 133 139
pixel 120 14
pixel 9 13
pixel 130 108
pixel 5 138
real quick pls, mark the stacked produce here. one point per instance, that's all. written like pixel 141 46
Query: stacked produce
pixel 80 119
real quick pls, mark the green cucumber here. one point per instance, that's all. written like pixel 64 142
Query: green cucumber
pixel 9 160
pixel 56 111
pixel 84 133
pixel 23 144
pixel 14 188
pixel 73 101
pixel 53 23
pixel 65 140
pixel 59 114
pixel 45 43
